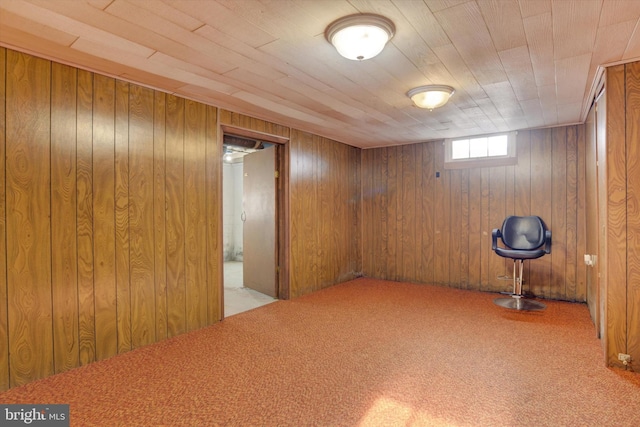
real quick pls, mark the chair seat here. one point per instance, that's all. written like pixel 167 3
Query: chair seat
pixel 519 254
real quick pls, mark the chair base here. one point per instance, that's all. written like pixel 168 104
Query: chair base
pixel 516 302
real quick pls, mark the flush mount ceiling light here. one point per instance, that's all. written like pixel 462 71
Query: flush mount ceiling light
pixel 359 37
pixel 430 96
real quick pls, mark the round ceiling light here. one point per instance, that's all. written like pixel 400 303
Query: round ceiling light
pixel 359 37
pixel 430 96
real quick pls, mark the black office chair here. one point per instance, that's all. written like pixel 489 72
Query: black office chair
pixel 524 237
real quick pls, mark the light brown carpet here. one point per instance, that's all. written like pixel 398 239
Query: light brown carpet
pixel 363 353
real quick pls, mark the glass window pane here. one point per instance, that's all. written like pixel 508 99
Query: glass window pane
pixel 478 147
pixel 498 145
pixel 460 149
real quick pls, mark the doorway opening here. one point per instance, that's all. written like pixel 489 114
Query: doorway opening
pixel 250 223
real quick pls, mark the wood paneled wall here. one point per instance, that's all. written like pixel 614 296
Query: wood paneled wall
pixel 108 217
pixel 422 223
pixel 325 209
pixel 110 211
pixel 622 223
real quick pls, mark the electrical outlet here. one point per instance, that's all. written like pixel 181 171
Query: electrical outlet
pixel 624 358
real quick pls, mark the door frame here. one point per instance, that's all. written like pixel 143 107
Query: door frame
pixel 592 245
pixel 596 272
pixel 282 208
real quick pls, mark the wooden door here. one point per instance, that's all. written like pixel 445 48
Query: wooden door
pixel 591 207
pixel 259 232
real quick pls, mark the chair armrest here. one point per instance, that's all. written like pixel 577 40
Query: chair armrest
pixel 494 238
pixel 547 241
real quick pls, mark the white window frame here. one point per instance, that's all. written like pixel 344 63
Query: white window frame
pixel 511 158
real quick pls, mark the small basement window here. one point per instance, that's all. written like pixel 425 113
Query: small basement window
pixel 481 151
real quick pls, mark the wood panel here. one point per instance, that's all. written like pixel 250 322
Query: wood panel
pixel 581 214
pixel 475 230
pixel 93 254
pixel 325 228
pixel 339 246
pixel 308 186
pixel 408 252
pixel 558 211
pixel 464 232
pixel 318 173
pixel 485 230
pixel 195 210
pixel 121 195
pixel 442 212
pixel 175 240
pixel 392 214
pixel 618 224
pixel 616 216
pixel 159 214
pixel 296 258
pixel 332 249
pixel 104 216
pixel 367 211
pixel 572 258
pixel 380 236
pixel 64 274
pixel 373 207
pixel 458 210
pixel 4 331
pixel 28 226
pixel 315 162
pixel 633 211
pixel 354 165
pixel 541 205
pixel 497 212
pixel 428 177
pixel 455 234
pixel 84 218
pixel 141 252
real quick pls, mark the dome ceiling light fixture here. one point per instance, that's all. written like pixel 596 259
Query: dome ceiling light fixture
pixel 361 36
pixel 430 96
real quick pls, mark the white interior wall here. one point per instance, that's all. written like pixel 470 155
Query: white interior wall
pixel 231 211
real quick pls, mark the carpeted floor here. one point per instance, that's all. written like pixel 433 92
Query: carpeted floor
pixel 363 353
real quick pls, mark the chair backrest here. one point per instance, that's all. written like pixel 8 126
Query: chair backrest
pixel 523 233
